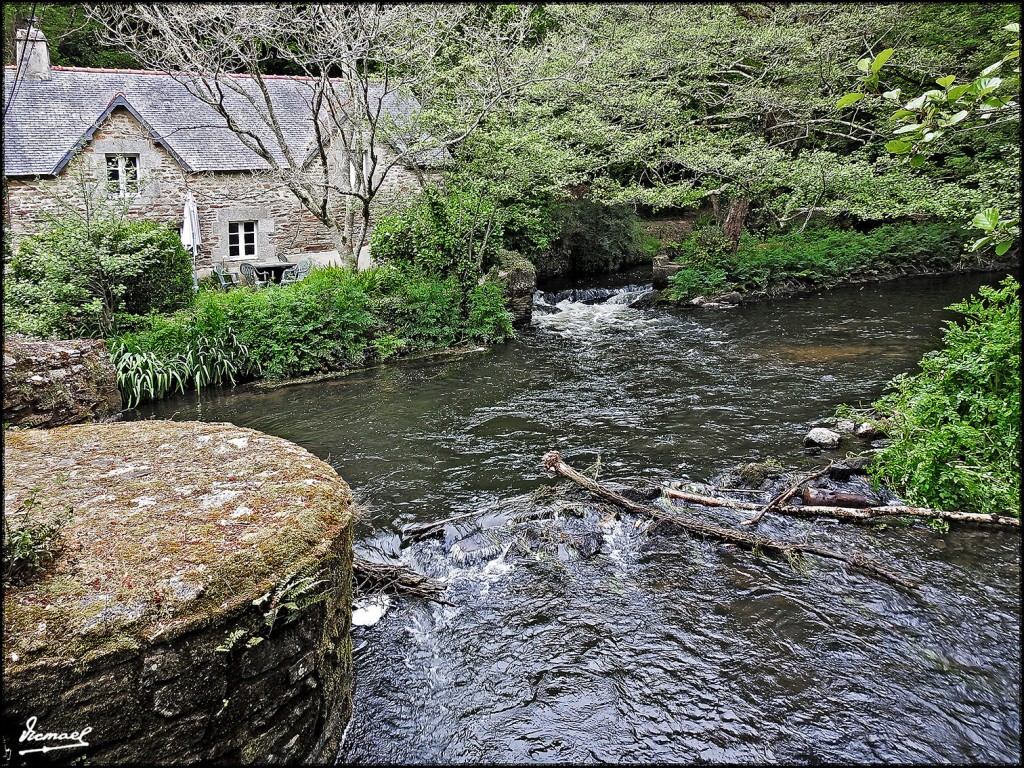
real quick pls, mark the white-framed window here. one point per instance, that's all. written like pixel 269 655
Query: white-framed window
pixel 122 175
pixel 241 239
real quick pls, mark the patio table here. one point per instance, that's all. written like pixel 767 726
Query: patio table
pixel 271 270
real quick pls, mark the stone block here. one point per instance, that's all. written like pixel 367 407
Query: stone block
pixel 44 387
pixel 662 270
pixel 268 654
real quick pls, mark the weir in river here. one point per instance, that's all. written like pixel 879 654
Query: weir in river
pixel 655 647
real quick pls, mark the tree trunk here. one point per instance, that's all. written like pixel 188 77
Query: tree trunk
pixel 846 513
pixel 733 226
pixel 348 231
pixel 364 229
pixel 553 461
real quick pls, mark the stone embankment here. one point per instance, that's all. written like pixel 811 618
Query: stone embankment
pixel 199 609
pixel 50 383
pixel 521 277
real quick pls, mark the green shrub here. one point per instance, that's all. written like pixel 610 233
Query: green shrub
pixel 595 237
pixel 955 425
pixel 74 278
pixel 820 255
pixel 529 228
pixel 165 283
pixel 447 234
pixel 336 318
pixel 488 318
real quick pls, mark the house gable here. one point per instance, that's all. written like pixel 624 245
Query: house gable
pixel 119 101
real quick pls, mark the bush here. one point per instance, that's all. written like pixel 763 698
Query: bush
pixel 445 234
pixel 820 255
pixel 955 425
pixel 334 319
pixel 597 238
pixel 75 277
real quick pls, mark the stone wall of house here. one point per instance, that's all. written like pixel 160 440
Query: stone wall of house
pixel 284 226
pixel 164 624
pixel 49 383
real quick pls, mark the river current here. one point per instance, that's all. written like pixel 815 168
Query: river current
pixel 660 648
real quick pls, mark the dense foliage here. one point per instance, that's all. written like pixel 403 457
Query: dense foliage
pixel 662 119
pixel 78 275
pixel 460 231
pixel 456 233
pixel 71 37
pixel 820 255
pixel 334 319
pixel 955 425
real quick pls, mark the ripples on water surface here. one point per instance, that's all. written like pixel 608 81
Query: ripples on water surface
pixel 661 648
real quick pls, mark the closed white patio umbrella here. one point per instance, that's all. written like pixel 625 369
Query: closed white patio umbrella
pixel 190 234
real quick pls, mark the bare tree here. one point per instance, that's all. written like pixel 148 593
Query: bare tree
pixel 384 85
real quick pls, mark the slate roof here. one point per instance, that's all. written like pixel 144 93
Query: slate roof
pixel 49 119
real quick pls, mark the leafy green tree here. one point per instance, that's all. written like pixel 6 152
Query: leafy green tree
pixel 734 105
pixel 72 38
pixel 927 124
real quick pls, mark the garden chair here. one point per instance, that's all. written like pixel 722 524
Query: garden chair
pixel 251 275
pixel 225 280
pixel 297 273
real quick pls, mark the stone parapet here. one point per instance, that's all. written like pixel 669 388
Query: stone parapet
pixel 200 607
pixel 50 383
pixel 521 278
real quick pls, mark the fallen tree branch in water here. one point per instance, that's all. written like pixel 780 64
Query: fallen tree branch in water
pixel 373 577
pixel 849 513
pixel 553 461
pixel 783 497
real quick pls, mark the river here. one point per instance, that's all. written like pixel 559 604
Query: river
pixel 660 648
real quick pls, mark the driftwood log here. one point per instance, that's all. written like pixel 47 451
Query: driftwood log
pixel 847 513
pixel 553 461
pixel 373 577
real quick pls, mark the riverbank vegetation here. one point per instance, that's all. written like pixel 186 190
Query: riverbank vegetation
pixel 819 255
pixel 335 319
pixel 955 424
pixel 130 282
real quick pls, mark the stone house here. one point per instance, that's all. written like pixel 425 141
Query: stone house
pixel 74 136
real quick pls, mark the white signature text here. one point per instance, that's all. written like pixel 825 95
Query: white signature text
pixel 31 734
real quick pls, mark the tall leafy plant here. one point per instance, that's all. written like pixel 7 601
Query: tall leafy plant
pixel 955 425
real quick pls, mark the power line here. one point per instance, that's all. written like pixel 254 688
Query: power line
pixel 31 41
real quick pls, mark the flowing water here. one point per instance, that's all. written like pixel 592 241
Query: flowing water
pixel 659 648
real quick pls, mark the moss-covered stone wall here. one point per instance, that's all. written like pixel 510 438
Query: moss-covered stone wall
pixel 200 608
pixel 50 383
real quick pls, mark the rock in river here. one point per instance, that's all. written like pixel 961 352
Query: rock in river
pixel 823 438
